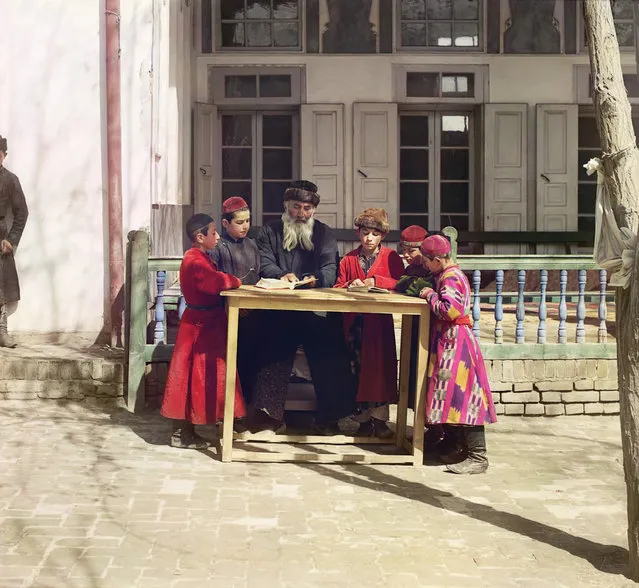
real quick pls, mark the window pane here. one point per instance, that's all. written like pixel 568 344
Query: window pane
pixel 277 164
pixel 625 34
pixel 285 34
pixel 413 35
pixel 622 9
pixel 267 218
pixel 240 86
pixel 454 197
pixel 232 35
pixel 466 9
pixel 466 34
pixel 260 9
pixel 439 34
pixel 413 197
pixel 450 220
pixel 587 194
pixel 273 196
pixel 413 164
pixel 422 84
pixel 632 85
pixel 237 130
pixel 413 131
pixel 258 34
pixel 439 9
pixel 454 164
pixel 588 134
pixel 242 189
pixel 284 8
pixel 232 9
pixel 458 85
pixel 412 9
pixel 454 131
pixel 277 131
pixel 275 86
pixel 236 164
pixel 586 223
pixel 406 220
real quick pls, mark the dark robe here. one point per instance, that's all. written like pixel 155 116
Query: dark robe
pixel 196 381
pixel 241 258
pixel 11 199
pixel 321 262
pixel 320 334
pixel 238 257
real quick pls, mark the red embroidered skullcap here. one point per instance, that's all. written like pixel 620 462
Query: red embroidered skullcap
pixel 233 204
pixel 435 245
pixel 413 236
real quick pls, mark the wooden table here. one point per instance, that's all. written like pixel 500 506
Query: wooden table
pixel 334 300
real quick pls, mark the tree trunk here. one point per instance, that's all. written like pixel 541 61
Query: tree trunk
pixel 620 166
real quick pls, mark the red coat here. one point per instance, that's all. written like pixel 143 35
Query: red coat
pixel 195 383
pixel 378 375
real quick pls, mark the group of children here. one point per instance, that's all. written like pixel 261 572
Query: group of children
pixel 458 391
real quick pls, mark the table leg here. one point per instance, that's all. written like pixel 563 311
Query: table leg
pixel 229 395
pixel 422 383
pixel 404 379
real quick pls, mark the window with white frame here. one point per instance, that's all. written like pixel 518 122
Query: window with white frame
pixel 623 15
pixel 259 24
pixel 259 153
pixel 439 24
pixel 436 169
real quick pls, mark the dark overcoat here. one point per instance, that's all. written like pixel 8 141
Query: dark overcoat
pixel 11 200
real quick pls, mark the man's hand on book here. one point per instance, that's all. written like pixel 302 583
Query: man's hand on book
pixel 290 278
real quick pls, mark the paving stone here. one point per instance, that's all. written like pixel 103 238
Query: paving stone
pixel 146 515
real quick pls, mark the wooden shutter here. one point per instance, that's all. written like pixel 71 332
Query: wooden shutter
pixel 556 179
pixel 322 131
pixel 505 171
pixel 375 159
pixel 206 179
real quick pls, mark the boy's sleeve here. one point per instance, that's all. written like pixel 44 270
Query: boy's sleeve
pixel 268 264
pixel 445 303
pixel 212 281
pixel 216 258
pixel 395 269
pixel 342 275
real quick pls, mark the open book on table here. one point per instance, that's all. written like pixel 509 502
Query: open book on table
pixel 372 289
pixel 275 284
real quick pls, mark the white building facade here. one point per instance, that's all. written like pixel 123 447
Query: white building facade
pixel 470 113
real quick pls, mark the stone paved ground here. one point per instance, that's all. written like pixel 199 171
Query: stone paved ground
pixel 92 497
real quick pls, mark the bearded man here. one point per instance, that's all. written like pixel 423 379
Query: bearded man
pixel 291 249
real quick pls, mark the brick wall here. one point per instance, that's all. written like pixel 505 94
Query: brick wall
pixel 554 387
pixel 520 387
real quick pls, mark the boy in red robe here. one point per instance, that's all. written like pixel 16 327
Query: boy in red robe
pixel 371 337
pixel 194 392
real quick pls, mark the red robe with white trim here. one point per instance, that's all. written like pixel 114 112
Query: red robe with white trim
pixel 196 380
pixel 378 374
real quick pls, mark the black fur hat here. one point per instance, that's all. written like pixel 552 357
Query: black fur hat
pixel 302 191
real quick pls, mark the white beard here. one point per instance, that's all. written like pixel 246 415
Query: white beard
pixel 297 234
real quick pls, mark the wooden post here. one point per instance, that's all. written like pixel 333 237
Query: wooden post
pixel 136 341
pixel 614 122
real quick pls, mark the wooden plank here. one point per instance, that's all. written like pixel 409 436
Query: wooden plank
pixel 526 262
pixel 549 351
pixel 231 369
pixel 421 387
pixel 314 439
pixel 404 378
pixel 138 281
pixel 283 457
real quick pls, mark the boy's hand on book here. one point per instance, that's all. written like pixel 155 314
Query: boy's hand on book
pixel 357 282
pixel 369 282
pixel 424 293
pixel 290 278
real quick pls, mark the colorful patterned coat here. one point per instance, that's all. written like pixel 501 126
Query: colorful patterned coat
pixel 458 388
pixel 196 381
